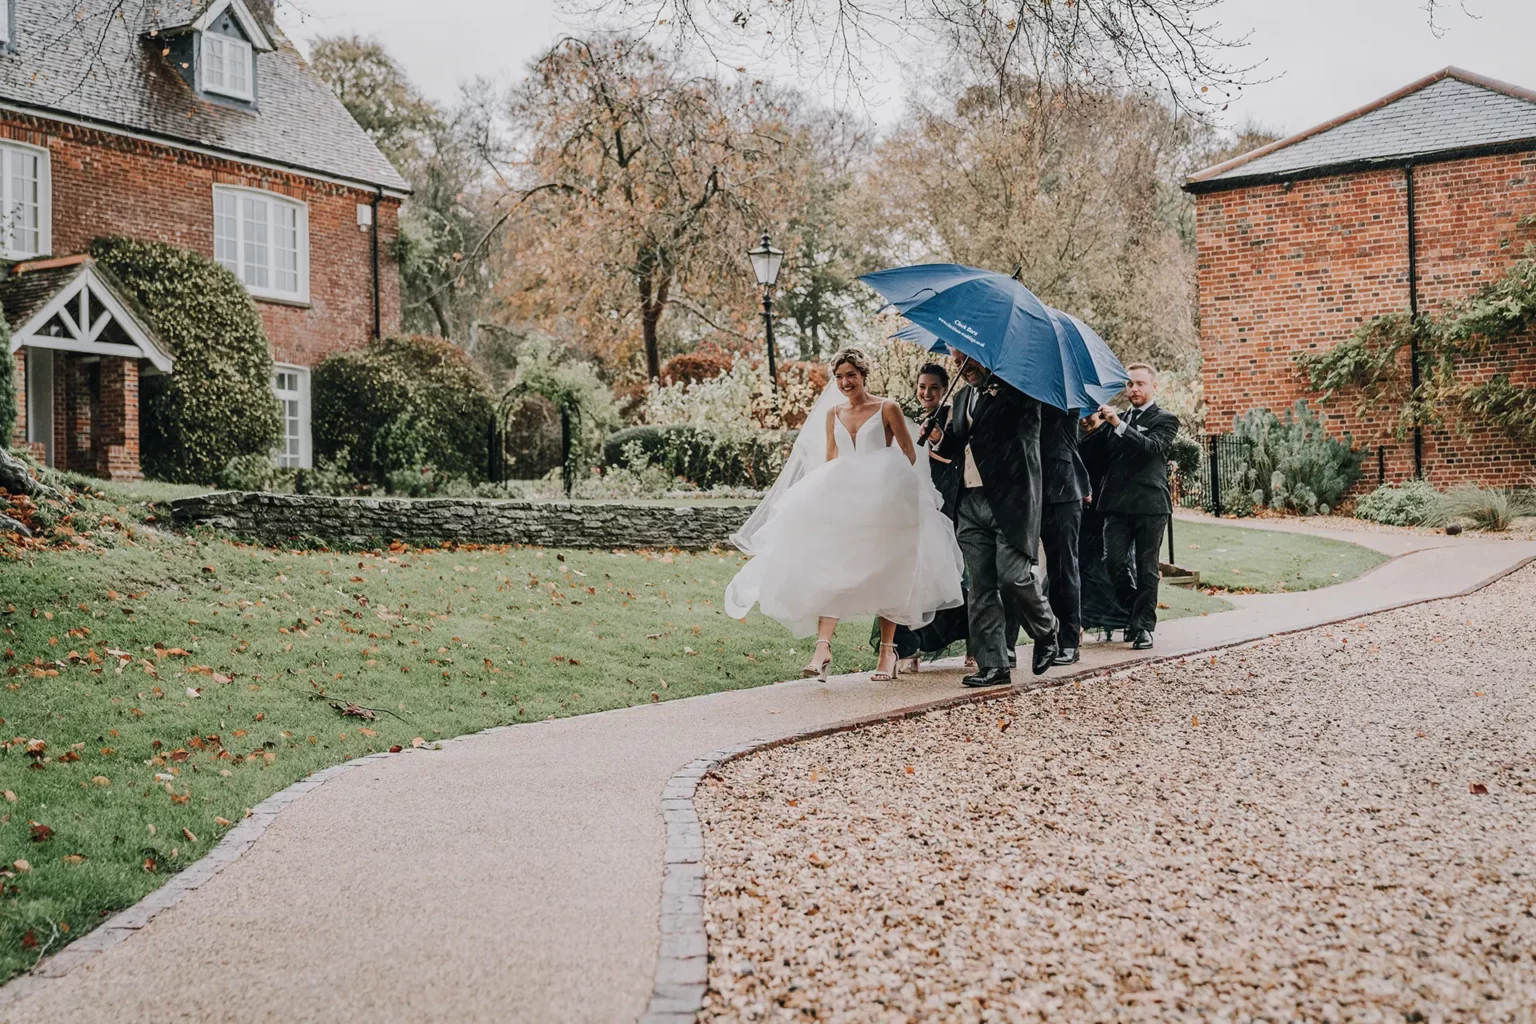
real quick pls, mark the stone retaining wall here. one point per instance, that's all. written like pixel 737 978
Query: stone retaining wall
pixel 279 518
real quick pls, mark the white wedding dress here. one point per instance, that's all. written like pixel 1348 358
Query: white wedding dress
pixel 861 535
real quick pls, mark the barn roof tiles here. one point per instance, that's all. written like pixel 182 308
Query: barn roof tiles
pixel 1449 114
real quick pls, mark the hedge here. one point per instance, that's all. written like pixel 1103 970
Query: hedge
pixel 402 404
pixel 704 457
pixel 217 404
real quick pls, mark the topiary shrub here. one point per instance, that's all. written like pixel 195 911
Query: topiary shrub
pixel 217 404
pixel 1293 465
pixel 1415 503
pixel 402 404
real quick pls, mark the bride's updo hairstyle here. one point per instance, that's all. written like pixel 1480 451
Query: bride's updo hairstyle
pixel 855 358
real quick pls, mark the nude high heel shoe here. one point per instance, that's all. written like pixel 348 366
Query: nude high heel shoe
pixel 878 676
pixel 813 670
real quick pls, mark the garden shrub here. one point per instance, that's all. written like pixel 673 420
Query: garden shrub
pixel 8 408
pixel 705 458
pixel 1292 464
pixel 400 405
pixel 255 472
pixel 544 379
pixel 694 367
pixel 217 404
pixel 1415 503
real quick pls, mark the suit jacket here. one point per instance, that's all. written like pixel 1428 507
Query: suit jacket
pixel 1136 479
pixel 947 476
pixel 1065 476
pixel 1003 430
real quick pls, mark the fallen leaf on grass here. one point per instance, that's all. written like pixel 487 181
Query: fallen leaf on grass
pixel 194 691
pixel 418 742
pixel 73 858
pixel 21 865
pixel 40 833
pixel 222 822
pixel 366 732
pixel 29 939
pixel 10 797
pixel 395 749
pixel 102 780
pixel 188 833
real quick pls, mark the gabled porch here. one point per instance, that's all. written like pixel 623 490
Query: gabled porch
pixel 80 347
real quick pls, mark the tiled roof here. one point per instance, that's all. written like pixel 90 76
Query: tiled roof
pixel 298 122
pixel 30 286
pixel 1449 111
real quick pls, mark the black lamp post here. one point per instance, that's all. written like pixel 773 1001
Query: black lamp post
pixel 766 261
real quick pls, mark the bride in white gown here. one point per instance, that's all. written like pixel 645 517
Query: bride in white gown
pixel 852 528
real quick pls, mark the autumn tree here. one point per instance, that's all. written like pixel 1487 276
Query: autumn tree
pixel 1077 190
pixel 641 185
pixel 447 226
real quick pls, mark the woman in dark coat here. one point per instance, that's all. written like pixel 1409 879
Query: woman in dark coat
pixel 1101 609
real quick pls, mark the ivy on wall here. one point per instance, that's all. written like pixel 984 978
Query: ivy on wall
pixel 217 404
pixel 1375 362
pixel 8 409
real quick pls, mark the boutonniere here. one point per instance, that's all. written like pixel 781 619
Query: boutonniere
pixel 991 390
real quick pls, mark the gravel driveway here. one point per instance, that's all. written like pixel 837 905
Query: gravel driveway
pixel 1336 825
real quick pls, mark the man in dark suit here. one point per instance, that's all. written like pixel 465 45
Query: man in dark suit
pixel 994 436
pixel 1136 503
pixel 1065 486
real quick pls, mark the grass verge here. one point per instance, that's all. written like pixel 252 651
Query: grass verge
pixel 1267 561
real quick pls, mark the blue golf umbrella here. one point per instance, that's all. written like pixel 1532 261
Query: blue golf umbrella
pixel 1000 324
pixel 1107 377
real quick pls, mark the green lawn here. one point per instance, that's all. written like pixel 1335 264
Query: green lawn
pixel 178 681
pixel 1266 561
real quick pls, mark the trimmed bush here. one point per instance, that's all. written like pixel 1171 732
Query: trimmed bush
pixel 705 458
pixel 1415 503
pixel 402 404
pixel 217 405
pixel 1293 464
pixel 1486 508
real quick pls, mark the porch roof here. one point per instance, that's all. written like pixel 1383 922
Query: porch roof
pixel 73 304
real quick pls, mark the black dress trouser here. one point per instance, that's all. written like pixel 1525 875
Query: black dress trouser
pixel 1135 585
pixel 1060 522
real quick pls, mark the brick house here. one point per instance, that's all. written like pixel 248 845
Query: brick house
pixel 191 122
pixel 1408 203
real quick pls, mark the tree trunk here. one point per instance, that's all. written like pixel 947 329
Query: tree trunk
pixel 16 477
pixel 651 303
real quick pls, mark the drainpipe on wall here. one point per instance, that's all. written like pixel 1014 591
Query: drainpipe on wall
pixel 1413 309
pixel 374 233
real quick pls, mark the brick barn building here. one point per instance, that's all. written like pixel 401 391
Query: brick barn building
pixel 191 122
pixel 1409 203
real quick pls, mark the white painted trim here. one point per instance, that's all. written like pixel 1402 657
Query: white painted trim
pixel 249 25
pixel 306 447
pixel 233 156
pixel 299 298
pixel 143 345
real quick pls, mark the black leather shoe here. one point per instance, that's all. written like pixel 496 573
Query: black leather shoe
pixel 1045 655
pixel 1067 656
pixel 988 677
pixel 1141 640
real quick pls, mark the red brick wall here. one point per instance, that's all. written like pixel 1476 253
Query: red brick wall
pixel 107 184
pixel 19 428
pixel 1284 272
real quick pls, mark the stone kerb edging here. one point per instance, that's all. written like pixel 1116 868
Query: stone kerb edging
pixel 682 963
pixel 365 521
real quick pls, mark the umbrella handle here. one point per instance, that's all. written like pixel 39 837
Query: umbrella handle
pixel 932 422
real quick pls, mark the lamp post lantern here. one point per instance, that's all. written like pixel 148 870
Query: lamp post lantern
pixel 766 261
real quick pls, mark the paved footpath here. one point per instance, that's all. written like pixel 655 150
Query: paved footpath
pixel 515 875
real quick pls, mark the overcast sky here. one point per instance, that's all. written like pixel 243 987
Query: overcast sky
pixel 1325 56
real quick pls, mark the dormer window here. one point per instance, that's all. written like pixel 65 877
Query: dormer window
pixel 227 66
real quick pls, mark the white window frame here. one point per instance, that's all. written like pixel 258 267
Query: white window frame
pixel 244 246
pixel 305 458
pixel 230 46
pixel 18 150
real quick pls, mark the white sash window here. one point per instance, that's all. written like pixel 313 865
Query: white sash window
pixel 264 239
pixel 24 201
pixel 227 65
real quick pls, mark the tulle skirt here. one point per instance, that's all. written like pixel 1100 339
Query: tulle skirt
pixel 857 536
